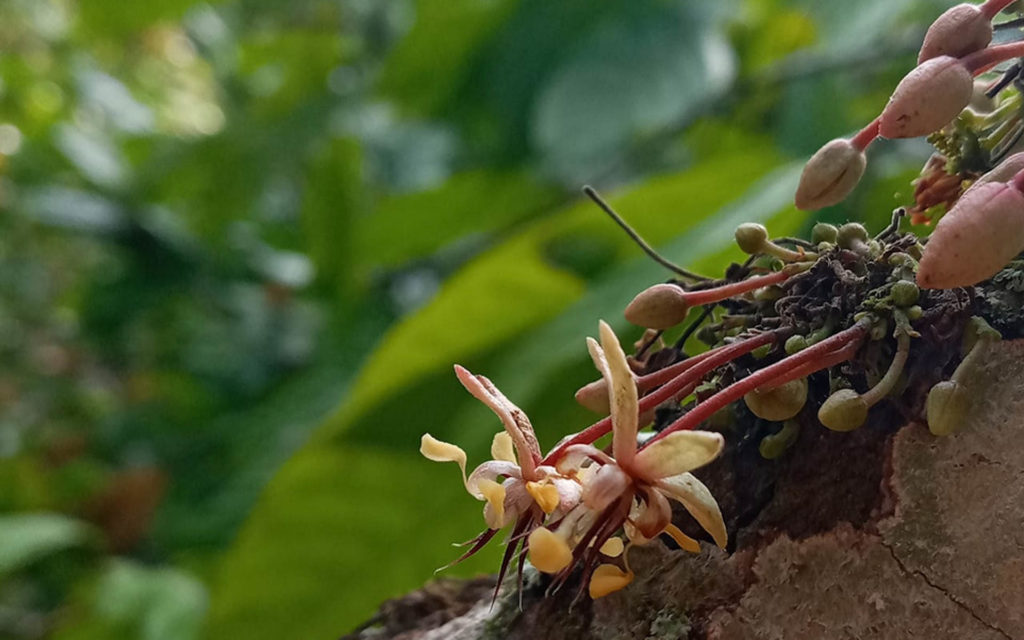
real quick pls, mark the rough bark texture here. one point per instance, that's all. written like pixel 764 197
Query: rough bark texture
pixel 880 533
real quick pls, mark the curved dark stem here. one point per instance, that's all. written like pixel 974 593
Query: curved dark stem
pixel 894 226
pixel 640 242
pixel 798 242
pixel 708 309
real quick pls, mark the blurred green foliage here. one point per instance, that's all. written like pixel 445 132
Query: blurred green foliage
pixel 243 241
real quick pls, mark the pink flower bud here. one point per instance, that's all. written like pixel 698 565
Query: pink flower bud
pixel 977 238
pixel 830 175
pixel 961 30
pixel 927 99
pixel 662 306
pixel 1002 173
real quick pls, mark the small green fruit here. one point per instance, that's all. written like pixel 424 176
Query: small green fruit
pixel 781 403
pixel 844 410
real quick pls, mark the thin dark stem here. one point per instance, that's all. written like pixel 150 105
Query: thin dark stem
pixel 799 242
pixel 693 327
pixel 640 242
pixel 894 226
pixel 1009 24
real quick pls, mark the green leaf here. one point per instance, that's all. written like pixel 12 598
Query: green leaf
pixel 364 526
pixel 515 286
pixel 28 537
pixel 411 225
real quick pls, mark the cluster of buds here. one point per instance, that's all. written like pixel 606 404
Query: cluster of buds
pixel 983 230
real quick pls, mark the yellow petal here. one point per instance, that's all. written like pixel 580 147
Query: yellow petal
pixel 678 452
pixel 607 579
pixel 438 451
pixel 494 494
pixel 502 448
pixel 548 551
pixel 545 495
pixel 612 547
pixel 622 394
pixel 684 541
pixel 693 495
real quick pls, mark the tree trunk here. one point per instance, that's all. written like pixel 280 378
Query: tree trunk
pixel 884 532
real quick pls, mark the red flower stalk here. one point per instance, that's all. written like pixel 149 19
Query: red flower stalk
pixel 796 366
pixel 699 367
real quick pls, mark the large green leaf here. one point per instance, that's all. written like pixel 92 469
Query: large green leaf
pixel 336 512
pixel 515 286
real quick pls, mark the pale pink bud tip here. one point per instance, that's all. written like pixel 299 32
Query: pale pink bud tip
pixel 662 306
pixel 830 175
pixel 594 396
pixel 976 239
pixel 927 99
pixel 961 30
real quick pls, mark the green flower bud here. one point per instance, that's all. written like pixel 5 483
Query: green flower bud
pixel 946 408
pixel 750 237
pixel 824 232
pixel 978 329
pixel 795 343
pixel 915 312
pixel 850 234
pixel 904 293
pixel 774 445
pixel 769 294
pixel 844 410
pixel 762 351
pixel 781 403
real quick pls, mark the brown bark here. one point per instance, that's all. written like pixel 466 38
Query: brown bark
pixel 880 533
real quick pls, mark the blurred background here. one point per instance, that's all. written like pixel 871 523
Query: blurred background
pixel 243 241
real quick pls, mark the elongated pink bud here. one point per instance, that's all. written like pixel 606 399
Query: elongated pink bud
pixel 662 306
pixel 830 175
pixel 927 99
pixel 1001 173
pixel 977 238
pixel 961 30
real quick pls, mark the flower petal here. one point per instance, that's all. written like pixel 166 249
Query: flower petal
pixel 516 423
pixel 612 547
pixel 439 451
pixel 608 484
pixel 544 494
pixel 489 472
pixel 677 453
pixel 608 578
pixel 502 448
pixel 575 455
pixel 693 495
pixel 684 541
pixel 654 515
pixel 494 494
pixel 622 395
pixel 548 551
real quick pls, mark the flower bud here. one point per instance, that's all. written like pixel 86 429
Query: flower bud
pixel 978 237
pixel 946 408
pixel 850 234
pixel 662 306
pixel 844 410
pixel 750 237
pixel 904 293
pixel 961 30
pixel 594 396
pixel 774 445
pixel 824 232
pixel 795 344
pixel 830 175
pixel 927 99
pixel 781 403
